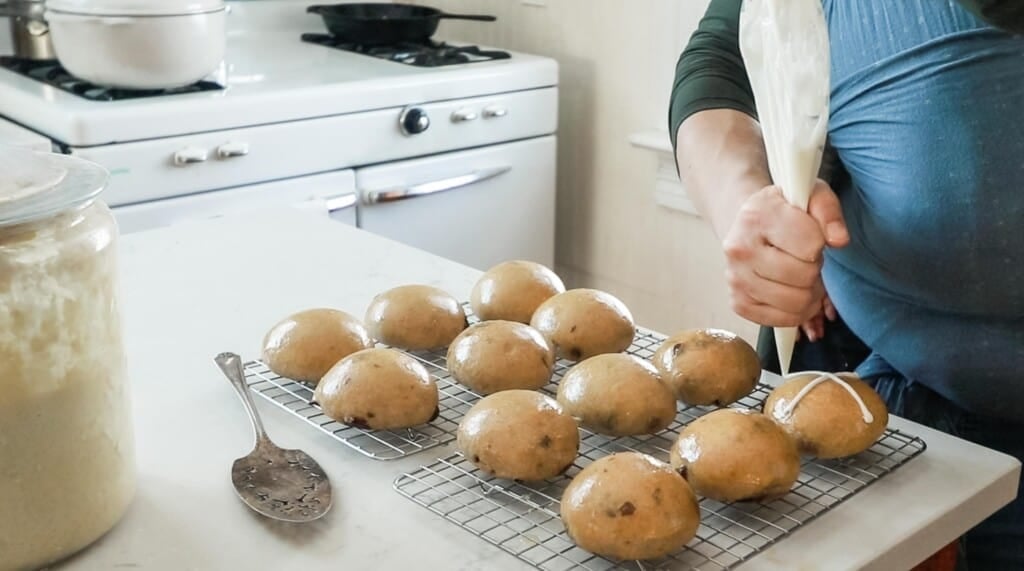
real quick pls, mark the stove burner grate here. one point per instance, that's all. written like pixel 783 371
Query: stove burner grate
pixel 429 54
pixel 52 73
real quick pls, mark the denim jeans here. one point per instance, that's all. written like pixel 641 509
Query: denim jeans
pixel 997 544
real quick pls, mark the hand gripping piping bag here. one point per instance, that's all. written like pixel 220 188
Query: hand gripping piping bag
pixel 785 48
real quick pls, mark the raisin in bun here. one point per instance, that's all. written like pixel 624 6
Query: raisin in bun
pixel 519 435
pixel 836 415
pixel 415 318
pixel 378 388
pixel 493 356
pixel 708 367
pixel 733 455
pixel 305 345
pixel 512 291
pixel 618 395
pixel 630 506
pixel 582 323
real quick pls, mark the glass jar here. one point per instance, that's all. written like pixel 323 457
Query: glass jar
pixel 67 470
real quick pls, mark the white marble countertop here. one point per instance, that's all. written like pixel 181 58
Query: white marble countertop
pixel 195 290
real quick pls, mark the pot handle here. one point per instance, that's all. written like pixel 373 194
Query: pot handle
pixel 316 9
pixel 474 17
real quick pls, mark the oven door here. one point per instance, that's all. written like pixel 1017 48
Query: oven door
pixel 332 195
pixel 477 207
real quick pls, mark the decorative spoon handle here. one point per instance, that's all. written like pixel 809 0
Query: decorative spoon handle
pixel 231 364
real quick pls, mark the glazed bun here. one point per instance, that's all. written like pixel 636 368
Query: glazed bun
pixel 519 435
pixel 618 395
pixel 734 455
pixel 582 323
pixel 512 291
pixel 708 367
pixel 493 356
pixel 415 318
pixel 379 388
pixel 836 415
pixel 305 345
pixel 630 506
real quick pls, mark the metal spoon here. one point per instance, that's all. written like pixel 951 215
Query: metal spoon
pixel 285 485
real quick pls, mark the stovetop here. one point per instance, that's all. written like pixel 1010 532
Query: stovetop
pixel 270 76
pixel 428 54
pixel 51 73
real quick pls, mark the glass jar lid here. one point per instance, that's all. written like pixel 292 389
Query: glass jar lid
pixel 38 185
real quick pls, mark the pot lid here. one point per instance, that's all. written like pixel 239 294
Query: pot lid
pixel 135 7
pixel 39 185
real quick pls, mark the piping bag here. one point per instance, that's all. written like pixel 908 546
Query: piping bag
pixel 785 48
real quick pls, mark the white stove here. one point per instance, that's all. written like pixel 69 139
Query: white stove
pixel 457 160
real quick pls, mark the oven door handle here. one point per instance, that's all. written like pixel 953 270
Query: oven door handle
pixel 432 187
pixel 339 203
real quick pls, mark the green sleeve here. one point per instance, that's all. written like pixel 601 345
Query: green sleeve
pixel 710 72
pixel 1005 14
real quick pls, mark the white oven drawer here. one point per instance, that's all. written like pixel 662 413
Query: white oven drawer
pixel 331 194
pixel 162 168
pixel 477 207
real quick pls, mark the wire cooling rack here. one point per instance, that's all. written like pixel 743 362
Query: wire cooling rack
pixel 454 400
pixel 523 519
pixel 296 398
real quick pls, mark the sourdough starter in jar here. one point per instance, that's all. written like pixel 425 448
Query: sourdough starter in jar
pixel 67 471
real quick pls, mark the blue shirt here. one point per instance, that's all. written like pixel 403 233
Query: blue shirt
pixel 928 118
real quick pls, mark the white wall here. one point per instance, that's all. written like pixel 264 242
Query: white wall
pixel 617 61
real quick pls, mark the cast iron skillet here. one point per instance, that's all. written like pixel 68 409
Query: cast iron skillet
pixel 382 24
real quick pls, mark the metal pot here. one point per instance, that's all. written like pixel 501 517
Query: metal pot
pixel 139 44
pixel 29 31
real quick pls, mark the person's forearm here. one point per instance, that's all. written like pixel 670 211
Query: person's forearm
pixel 722 162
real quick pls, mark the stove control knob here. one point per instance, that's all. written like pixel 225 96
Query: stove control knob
pixel 414 120
pixel 464 116
pixel 495 112
pixel 232 150
pixel 190 156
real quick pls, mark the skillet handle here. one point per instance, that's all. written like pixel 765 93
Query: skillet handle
pixel 474 17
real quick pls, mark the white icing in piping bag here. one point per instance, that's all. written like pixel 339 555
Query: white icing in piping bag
pixel 822 377
pixel 785 47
